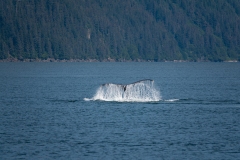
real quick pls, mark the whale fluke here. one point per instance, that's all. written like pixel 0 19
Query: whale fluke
pixel 139 91
pixel 125 85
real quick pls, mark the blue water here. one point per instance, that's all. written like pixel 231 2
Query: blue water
pixel 44 113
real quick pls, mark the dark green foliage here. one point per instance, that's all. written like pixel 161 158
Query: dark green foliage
pixel 153 30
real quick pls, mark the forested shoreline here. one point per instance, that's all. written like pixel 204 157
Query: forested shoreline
pixel 114 30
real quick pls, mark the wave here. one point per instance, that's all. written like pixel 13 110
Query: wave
pixel 171 100
pixel 201 101
pixel 140 91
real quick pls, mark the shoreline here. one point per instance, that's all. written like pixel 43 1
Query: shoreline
pixel 105 60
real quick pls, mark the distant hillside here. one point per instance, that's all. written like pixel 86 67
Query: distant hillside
pixel 155 30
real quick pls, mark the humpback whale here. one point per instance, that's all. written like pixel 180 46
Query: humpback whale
pixel 124 86
pixel 139 91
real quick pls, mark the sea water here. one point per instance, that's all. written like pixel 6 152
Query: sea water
pixel 63 111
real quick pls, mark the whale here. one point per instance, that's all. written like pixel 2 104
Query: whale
pixel 124 86
pixel 139 91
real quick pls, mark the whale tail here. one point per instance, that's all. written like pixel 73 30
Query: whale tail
pixel 144 80
pixel 140 91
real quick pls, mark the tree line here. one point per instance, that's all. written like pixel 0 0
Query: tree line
pixel 155 30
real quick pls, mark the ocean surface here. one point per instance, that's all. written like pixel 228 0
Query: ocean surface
pixel 80 110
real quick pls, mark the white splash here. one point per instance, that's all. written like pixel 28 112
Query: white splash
pixel 141 91
pixel 171 100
